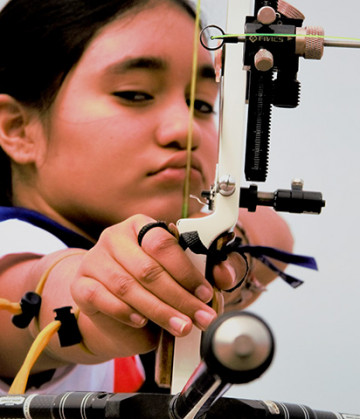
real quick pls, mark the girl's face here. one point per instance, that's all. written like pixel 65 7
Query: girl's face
pixel 116 142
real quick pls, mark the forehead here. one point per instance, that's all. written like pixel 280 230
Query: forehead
pixel 163 29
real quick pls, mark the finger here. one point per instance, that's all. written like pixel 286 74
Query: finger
pixel 92 297
pixel 229 273
pixel 159 281
pixel 162 300
pixel 163 247
pixel 96 299
pixel 173 309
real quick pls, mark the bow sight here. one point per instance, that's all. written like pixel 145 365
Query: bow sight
pixel 272 53
pixel 274 42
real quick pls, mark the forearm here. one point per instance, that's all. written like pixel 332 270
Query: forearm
pixel 15 343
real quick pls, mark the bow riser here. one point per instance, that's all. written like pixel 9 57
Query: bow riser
pixel 225 207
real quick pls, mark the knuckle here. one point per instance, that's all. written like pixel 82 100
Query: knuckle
pixel 140 219
pixel 121 284
pixel 150 273
pixel 105 235
pixel 108 236
pixel 161 244
pixel 86 294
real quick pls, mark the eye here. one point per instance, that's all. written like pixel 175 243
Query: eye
pixel 202 107
pixel 133 96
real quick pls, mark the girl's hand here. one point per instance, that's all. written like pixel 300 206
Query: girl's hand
pixel 119 282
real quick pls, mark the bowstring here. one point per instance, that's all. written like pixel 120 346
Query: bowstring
pixel 189 142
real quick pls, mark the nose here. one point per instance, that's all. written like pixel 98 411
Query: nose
pixel 174 126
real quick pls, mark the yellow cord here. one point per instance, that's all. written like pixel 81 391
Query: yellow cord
pixel 13 308
pixel 18 386
pixel 40 286
pixel 186 193
pixel 43 338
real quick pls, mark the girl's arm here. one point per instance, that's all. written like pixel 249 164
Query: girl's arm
pixel 125 293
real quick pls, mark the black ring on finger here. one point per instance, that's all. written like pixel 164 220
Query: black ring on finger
pixel 148 227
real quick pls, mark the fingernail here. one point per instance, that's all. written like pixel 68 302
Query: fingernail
pixel 204 293
pixel 178 324
pixel 138 319
pixel 204 318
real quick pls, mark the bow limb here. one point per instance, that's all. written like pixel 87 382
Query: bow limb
pixel 226 206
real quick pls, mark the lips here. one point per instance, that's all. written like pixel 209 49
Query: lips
pixel 178 162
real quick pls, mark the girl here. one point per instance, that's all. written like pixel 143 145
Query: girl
pixel 94 100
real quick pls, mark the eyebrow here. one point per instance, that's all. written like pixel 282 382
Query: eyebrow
pixel 137 63
pixel 205 71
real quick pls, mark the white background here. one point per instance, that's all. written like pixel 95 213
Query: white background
pixel 317 326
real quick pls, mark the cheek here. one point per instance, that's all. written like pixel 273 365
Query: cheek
pixel 99 137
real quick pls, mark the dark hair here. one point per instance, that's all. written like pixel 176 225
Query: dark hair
pixel 41 41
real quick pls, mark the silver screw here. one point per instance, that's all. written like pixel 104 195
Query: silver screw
pixel 227 185
pixel 297 184
pixel 266 15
